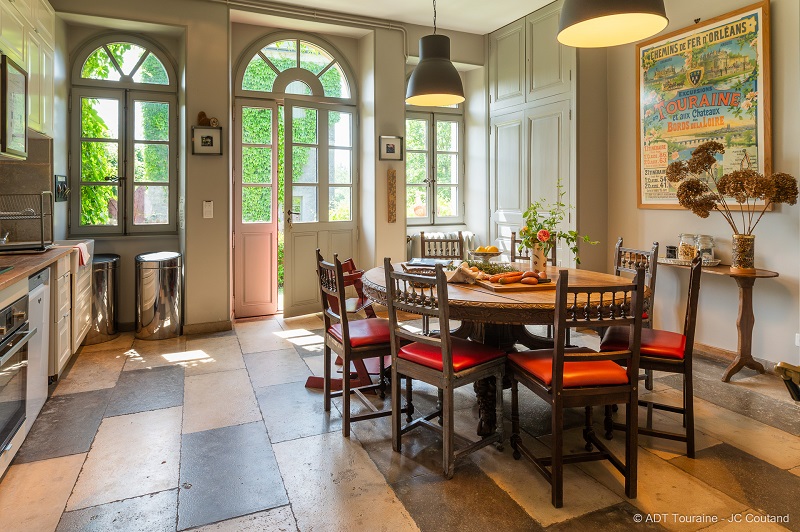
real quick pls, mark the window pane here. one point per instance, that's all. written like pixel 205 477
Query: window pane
pixel 127 55
pixel 416 134
pixel 446 201
pixel 340 128
pixel 99 118
pixel 416 167
pixel 99 66
pixel 416 202
pixel 447 136
pixel 258 76
pixel 282 54
pixel 151 120
pixel 256 205
pixel 99 161
pixel 446 168
pixel 151 162
pixel 256 125
pixel 340 164
pixel 150 205
pixel 335 83
pixel 256 165
pixel 99 205
pixel 304 125
pixel 298 87
pixel 313 58
pixel 304 164
pixel 304 201
pixel 152 71
pixel 339 208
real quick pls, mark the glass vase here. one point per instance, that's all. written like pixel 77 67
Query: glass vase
pixel 743 254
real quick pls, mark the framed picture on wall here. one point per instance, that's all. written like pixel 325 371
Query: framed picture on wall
pixel 14 114
pixel 707 82
pixel 390 148
pixel 206 140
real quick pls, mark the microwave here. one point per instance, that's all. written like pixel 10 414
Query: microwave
pixel 13 109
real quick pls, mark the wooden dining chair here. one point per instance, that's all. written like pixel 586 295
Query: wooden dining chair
pixel 441 248
pixel 443 361
pixel 579 377
pixel 524 254
pixel 670 352
pixel 353 341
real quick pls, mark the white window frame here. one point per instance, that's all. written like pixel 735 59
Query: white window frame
pixel 126 91
pixel 433 118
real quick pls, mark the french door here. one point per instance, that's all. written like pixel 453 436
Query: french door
pixel 320 191
pixel 256 215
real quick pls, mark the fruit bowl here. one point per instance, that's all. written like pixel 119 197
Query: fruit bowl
pixel 484 255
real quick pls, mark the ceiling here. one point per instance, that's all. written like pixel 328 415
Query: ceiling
pixel 472 16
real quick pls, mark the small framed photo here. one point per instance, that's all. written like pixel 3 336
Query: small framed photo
pixel 206 140
pixel 390 148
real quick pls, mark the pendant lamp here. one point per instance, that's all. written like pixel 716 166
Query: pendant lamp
pixel 434 81
pixel 601 23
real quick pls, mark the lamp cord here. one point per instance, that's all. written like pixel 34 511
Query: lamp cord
pixel 434 17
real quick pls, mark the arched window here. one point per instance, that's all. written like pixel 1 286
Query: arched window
pixel 123 132
pixel 297 67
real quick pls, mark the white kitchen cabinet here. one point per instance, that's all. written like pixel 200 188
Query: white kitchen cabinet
pixel 12 33
pixel 550 64
pixel 40 84
pixel 507 66
pixel 44 22
pixel 61 325
pixel 23 9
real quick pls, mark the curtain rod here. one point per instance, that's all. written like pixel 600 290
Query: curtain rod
pixel 318 16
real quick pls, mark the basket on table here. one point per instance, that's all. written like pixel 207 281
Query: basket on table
pixel 427 271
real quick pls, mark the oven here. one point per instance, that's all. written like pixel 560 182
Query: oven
pixel 15 333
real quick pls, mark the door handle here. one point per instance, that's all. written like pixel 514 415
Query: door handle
pixel 289 215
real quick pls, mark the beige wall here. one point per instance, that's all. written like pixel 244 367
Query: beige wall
pixel 203 70
pixel 777 242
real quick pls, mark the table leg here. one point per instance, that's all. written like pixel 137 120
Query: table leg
pixel 744 324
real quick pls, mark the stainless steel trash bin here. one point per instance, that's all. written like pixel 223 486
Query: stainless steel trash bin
pixel 105 287
pixel 158 295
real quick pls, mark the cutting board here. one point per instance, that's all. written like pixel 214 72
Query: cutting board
pixel 516 287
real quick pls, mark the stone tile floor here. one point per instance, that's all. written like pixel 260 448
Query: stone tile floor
pixel 218 432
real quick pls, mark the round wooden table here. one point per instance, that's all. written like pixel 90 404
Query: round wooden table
pixel 498 319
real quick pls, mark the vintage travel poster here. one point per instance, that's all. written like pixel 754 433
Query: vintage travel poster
pixel 707 82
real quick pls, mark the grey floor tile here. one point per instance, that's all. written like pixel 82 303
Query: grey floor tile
pixel 436 503
pixel 66 425
pixel 745 478
pixel 308 343
pixel 617 518
pixel 227 472
pixel 274 520
pixel 147 389
pixel 275 367
pixel 293 411
pixel 149 513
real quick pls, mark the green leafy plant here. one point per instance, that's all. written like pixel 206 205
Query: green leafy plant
pixel 542 227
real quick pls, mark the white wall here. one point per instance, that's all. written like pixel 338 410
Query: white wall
pixel 777 236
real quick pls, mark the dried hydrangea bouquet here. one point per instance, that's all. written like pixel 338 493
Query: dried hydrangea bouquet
pixel 742 197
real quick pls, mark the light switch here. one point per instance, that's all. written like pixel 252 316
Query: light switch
pixel 208 209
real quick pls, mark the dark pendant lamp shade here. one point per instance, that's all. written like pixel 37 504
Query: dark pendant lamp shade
pixel 434 81
pixel 601 23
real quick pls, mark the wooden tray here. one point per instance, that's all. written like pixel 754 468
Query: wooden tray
pixel 515 287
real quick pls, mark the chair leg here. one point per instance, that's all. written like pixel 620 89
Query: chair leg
pixel 381 379
pixel 396 413
pixel 632 444
pixel 409 402
pixel 346 396
pixel 426 325
pixel 515 438
pixel 608 421
pixel 648 381
pixel 498 403
pixel 447 433
pixel 439 401
pixel 588 429
pixel 688 405
pixel 557 468
pixel 326 379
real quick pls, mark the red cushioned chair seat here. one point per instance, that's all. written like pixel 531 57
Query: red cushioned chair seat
pixel 466 354
pixel 539 363
pixel 645 315
pixel 374 331
pixel 655 343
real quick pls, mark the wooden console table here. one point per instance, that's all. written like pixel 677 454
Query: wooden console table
pixel 746 320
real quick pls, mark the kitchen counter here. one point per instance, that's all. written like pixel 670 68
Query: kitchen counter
pixel 26 265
